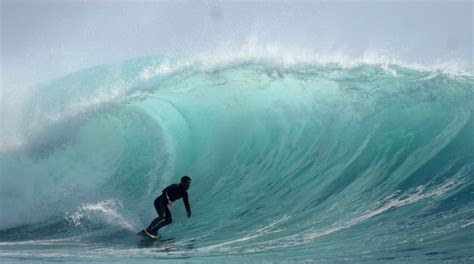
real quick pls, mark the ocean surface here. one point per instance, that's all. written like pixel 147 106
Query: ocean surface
pixel 295 159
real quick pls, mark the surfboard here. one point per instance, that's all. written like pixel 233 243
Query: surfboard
pixel 144 233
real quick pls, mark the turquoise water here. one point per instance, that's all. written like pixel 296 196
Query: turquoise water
pixel 290 161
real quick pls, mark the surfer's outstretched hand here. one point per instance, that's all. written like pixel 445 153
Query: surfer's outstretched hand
pixel 189 214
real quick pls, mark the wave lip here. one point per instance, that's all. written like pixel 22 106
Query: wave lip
pixel 277 56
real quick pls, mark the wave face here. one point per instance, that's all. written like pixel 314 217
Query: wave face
pixel 291 160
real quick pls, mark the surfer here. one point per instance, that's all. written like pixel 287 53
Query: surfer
pixel 165 201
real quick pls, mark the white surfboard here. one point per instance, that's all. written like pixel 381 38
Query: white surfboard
pixel 145 233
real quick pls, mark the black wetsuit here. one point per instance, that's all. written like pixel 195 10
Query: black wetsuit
pixel 173 192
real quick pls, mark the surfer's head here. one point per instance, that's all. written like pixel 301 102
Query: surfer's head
pixel 185 182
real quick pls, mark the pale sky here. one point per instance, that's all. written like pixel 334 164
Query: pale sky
pixel 41 40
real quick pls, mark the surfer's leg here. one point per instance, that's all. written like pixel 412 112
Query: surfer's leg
pixel 160 209
pixel 151 228
pixel 163 221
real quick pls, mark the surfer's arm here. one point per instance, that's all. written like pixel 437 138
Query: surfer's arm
pixel 186 203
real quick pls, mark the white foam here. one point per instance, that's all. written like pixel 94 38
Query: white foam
pixel 39 121
pixel 279 55
pixel 265 230
pixel 103 211
pixel 61 241
pixel 468 224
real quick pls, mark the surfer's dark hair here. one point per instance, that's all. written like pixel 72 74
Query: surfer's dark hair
pixel 185 179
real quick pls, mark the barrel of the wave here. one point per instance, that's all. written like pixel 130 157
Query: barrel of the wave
pixel 306 161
